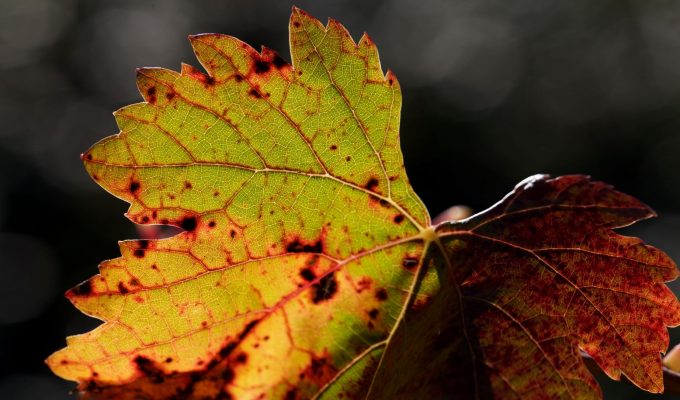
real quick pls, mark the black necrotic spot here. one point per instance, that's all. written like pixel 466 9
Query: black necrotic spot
pixel 83 289
pixel 307 274
pixel 325 289
pixel 297 247
pixel 189 224
pixel 261 66
pixel 409 262
pixel 134 186
pixel 278 61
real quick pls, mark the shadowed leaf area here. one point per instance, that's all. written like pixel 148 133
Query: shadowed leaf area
pixel 308 267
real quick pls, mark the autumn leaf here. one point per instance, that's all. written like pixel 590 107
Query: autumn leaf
pixel 527 283
pixel 308 267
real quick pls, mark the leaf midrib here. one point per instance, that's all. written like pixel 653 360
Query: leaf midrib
pixel 354 186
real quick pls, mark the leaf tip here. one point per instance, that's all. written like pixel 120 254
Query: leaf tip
pixel 82 289
pixel 300 17
pixel 208 37
pixel 297 10
pixel 527 182
pixel 86 156
pixel 391 78
pixel 366 39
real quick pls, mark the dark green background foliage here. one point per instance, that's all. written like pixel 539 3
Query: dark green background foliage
pixel 493 91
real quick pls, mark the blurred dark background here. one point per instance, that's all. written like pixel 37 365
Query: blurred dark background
pixel 494 91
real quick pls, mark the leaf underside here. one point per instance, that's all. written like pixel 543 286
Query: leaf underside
pixel 308 267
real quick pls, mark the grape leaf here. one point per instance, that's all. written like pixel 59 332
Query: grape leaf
pixel 308 267
pixel 527 283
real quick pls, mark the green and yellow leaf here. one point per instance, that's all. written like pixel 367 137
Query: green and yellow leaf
pixel 308 267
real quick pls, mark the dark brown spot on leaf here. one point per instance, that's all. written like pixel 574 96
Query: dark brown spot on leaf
pixel 139 253
pixel 134 186
pixel 278 61
pixel 254 93
pixel 122 289
pixel 372 184
pixel 242 358
pixel 261 66
pixel 307 274
pixel 228 375
pixel 410 262
pixel 381 294
pixel 189 224
pixel 227 349
pixel 296 246
pixel 249 327
pixel 201 77
pixel 291 394
pixel 83 289
pixel 399 218
pixel 373 314
pixel 325 289
pixel 147 367
pixel 151 94
pixel 317 365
